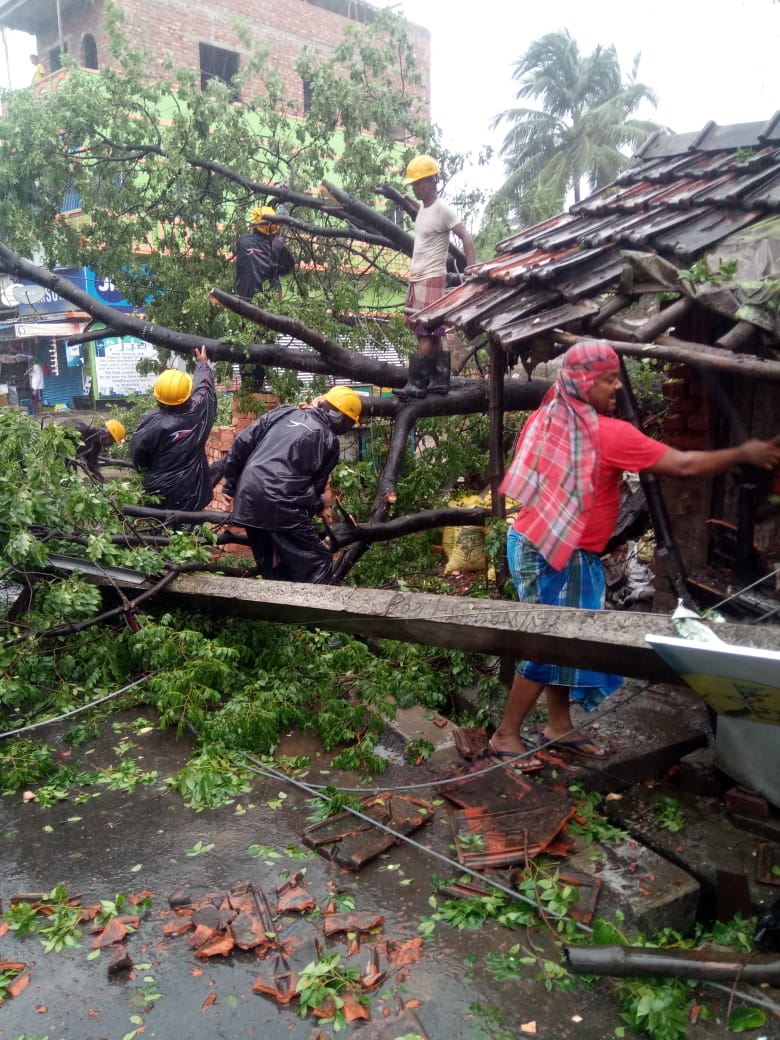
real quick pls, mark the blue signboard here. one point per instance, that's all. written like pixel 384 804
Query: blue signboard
pixel 99 288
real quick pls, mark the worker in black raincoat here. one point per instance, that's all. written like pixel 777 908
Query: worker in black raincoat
pixel 277 473
pixel 169 442
pixel 95 441
pixel 261 255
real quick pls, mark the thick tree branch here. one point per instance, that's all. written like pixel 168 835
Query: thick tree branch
pixel 347 534
pixel 669 348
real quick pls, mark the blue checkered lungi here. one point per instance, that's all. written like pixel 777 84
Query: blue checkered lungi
pixel 580 584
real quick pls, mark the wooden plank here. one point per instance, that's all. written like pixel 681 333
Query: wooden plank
pixel 610 641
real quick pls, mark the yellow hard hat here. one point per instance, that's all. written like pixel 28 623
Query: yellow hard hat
pixel 173 387
pixel 260 216
pixel 346 401
pixel 116 429
pixel 420 167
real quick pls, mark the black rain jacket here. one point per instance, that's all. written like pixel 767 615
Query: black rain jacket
pixel 278 467
pixel 169 444
pixel 255 264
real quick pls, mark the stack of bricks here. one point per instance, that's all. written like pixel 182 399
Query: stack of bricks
pixel 689 414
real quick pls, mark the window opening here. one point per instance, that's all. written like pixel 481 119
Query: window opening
pixel 217 63
pixel 89 54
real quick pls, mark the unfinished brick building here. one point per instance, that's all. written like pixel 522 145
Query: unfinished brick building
pixel 214 39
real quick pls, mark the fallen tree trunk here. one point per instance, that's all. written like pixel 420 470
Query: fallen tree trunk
pixel 343 533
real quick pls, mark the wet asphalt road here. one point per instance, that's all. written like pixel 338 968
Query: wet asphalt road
pixel 119 842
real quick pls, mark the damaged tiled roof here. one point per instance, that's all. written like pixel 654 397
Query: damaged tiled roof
pixel 681 196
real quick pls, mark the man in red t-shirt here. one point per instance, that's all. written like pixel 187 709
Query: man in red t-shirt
pixel 566 473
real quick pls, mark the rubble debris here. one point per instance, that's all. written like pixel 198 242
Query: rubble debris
pixel 121 963
pixel 352 1009
pixel 400 953
pixel 240 918
pixel 470 741
pixel 358 921
pixel 277 980
pixel 16 985
pixel 115 931
pixel 352 842
pixel 292 896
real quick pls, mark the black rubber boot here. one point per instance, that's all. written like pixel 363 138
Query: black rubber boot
pixel 439 381
pixel 420 368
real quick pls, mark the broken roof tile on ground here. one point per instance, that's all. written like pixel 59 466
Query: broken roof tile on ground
pixel 502 818
pixel 352 842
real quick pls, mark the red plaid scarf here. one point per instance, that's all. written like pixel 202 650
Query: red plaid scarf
pixel 554 468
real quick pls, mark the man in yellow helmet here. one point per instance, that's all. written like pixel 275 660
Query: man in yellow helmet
pixel 94 441
pixel 261 255
pixel 429 370
pixel 277 472
pixel 169 442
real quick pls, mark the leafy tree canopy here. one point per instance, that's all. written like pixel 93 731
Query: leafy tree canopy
pixel 162 173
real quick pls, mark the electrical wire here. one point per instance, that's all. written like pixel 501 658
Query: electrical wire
pixel 77 711
pixel 508 763
pixel 270 773
pixel 770 1005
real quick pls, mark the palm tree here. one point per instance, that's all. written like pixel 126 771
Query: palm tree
pixel 579 132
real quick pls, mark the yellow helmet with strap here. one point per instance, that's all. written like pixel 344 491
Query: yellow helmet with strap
pixel 346 401
pixel 116 429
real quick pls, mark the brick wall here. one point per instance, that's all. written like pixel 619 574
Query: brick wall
pixel 691 424
pixel 173 29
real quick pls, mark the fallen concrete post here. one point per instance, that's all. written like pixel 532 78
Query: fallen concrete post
pixel 611 641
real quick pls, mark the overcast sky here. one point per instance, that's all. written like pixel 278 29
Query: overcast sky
pixel 718 61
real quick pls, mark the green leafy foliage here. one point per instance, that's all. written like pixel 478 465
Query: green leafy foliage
pixel 746 1018
pixel 57 927
pixel 700 272
pixel 321 985
pixel 143 155
pixel 209 780
pixel 577 128
pixel 24 762
pixel 588 820
pixel 669 814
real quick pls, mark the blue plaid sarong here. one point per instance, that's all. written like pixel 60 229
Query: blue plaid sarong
pixel 580 584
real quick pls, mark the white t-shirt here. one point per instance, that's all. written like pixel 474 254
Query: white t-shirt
pixel 432 228
pixel 36 377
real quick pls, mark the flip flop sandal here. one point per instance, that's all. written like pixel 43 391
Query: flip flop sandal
pixel 516 759
pixel 576 747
